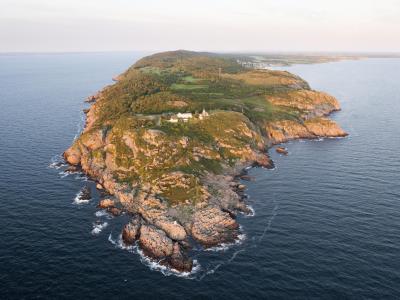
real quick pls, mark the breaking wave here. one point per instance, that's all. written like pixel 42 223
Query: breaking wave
pixel 252 212
pixel 57 162
pixel 98 227
pixel 225 246
pixel 78 200
pixel 81 125
pixel 153 264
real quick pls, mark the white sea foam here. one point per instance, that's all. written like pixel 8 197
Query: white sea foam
pixel 57 162
pixel 81 176
pixel 151 263
pixel 81 125
pixel 98 227
pixel 63 174
pixel 252 212
pixel 225 246
pixel 165 270
pixel 78 200
pixel 103 213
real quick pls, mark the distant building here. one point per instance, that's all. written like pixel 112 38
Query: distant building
pixel 184 116
pixel 203 114
pixel 173 119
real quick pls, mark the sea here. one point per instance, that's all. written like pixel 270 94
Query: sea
pixel 326 221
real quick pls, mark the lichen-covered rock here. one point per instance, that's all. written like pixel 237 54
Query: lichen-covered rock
pixel 93 140
pixel 73 155
pixel 106 203
pixel 131 230
pixel 262 160
pixel 315 103
pixel 154 242
pixel 171 228
pixel 281 150
pixel 323 127
pixel 179 260
pixel 211 227
pixel 115 211
pixel 284 130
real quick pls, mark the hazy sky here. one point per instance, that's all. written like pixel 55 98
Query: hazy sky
pixel 234 25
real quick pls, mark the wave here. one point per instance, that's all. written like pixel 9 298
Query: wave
pixel 153 264
pixel 64 174
pixel 81 176
pixel 98 227
pixel 57 162
pixel 81 125
pixel 225 246
pixel 252 212
pixel 103 213
pixel 78 200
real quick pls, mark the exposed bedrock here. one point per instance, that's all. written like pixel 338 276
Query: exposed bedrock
pixel 131 231
pixel 282 131
pixel 154 242
pixel 211 227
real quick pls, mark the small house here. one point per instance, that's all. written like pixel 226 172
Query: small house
pixel 184 116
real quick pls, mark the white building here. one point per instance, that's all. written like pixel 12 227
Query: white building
pixel 173 120
pixel 184 116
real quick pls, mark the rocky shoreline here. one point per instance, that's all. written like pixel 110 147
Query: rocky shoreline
pixel 167 241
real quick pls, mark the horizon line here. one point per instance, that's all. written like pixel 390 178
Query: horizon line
pixel 289 52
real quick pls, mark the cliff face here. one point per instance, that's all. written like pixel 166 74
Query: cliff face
pixel 178 179
pixel 282 131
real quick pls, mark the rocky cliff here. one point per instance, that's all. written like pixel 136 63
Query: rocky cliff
pixel 179 179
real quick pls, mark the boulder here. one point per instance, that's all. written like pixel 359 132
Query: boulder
pixel 241 187
pixel 171 228
pixel 247 178
pixel 73 155
pixel 106 203
pixel 114 211
pixel 179 260
pixel 262 160
pixel 131 230
pixel 211 227
pixel 155 242
pixel 281 150
pixel 85 193
pixel 72 169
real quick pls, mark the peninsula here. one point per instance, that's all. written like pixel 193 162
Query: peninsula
pixel 171 137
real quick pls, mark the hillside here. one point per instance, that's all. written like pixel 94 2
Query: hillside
pixel 170 137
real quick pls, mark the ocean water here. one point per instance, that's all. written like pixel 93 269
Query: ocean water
pixel 326 223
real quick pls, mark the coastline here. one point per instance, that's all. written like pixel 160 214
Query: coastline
pixel 165 231
pixel 234 180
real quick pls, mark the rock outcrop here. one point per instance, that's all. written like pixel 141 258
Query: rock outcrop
pixel 179 260
pixel 279 132
pixel 281 150
pixel 211 227
pixel 131 231
pixel 155 242
pixel 106 203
